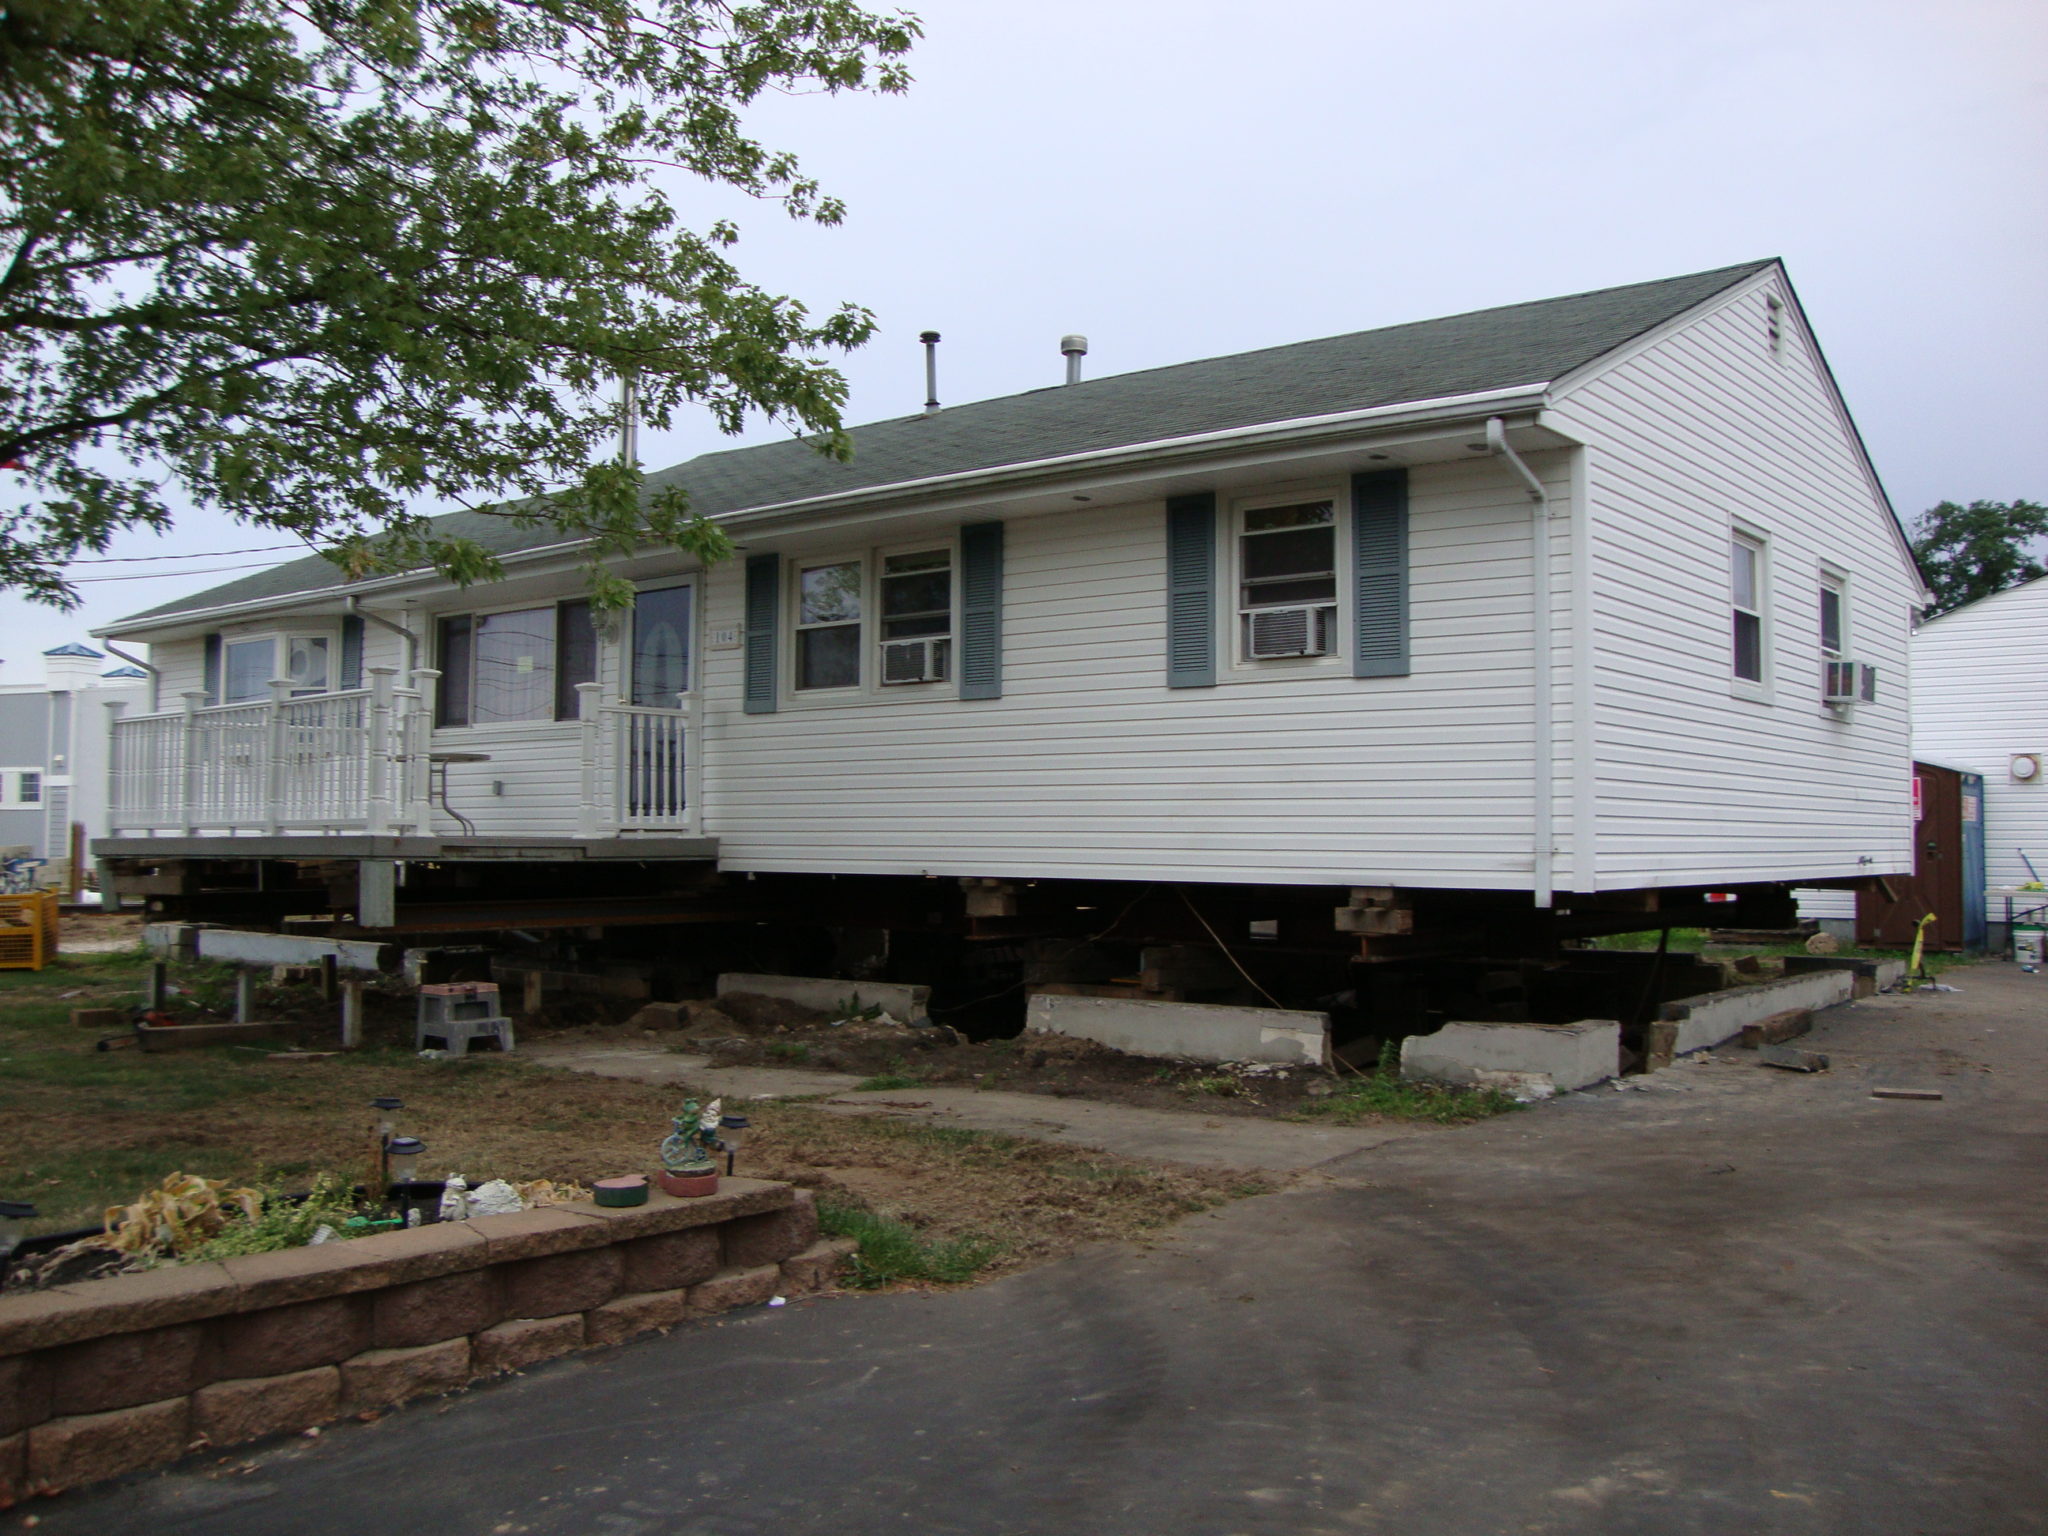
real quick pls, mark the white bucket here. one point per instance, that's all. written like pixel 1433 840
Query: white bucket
pixel 2027 943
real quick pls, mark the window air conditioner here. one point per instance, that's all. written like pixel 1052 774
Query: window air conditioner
pixel 1848 682
pixel 1302 631
pixel 914 661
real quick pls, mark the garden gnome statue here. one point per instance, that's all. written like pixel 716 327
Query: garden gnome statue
pixel 686 1151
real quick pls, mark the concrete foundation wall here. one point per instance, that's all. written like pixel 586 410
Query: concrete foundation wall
pixel 903 1001
pixel 1707 1021
pixel 1570 1055
pixel 1198 1031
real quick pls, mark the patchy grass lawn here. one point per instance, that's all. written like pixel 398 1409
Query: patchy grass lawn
pixel 81 1130
pixel 1384 1096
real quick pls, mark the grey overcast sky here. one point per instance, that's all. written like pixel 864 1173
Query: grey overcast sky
pixel 1182 181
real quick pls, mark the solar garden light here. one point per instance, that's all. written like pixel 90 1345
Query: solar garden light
pixel 401 1156
pixel 387 1131
pixel 731 1131
pixel 14 1216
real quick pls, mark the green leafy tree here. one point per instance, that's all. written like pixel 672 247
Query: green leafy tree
pixel 1971 552
pixel 318 262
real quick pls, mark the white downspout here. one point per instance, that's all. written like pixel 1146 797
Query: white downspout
pixel 354 605
pixel 156 675
pixel 1543 833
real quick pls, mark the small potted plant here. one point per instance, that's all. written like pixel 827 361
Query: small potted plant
pixel 687 1166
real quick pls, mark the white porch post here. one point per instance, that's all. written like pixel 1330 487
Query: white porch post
pixel 381 809
pixel 693 761
pixel 419 742
pixel 115 805
pixel 188 789
pixel 273 756
pixel 587 819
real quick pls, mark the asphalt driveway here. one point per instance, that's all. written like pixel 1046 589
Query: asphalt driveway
pixel 1740 1301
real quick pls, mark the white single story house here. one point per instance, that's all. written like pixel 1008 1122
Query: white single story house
pixel 1488 629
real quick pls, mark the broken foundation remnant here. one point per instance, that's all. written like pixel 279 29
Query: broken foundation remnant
pixel 1198 1031
pixel 1570 1055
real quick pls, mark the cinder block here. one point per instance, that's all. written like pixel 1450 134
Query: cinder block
pixel 669 1259
pixel 231 1412
pixel 629 1315
pixel 1570 1055
pixel 65 1453
pixel 122 1369
pixel 818 1267
pixel 735 1288
pixel 524 1341
pixel 769 1239
pixel 379 1377
pixel 562 1282
pixel 429 1311
pixel 361 1264
pixel 283 1340
pixel 1197 1031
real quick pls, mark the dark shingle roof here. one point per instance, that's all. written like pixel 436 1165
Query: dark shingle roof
pixel 1522 344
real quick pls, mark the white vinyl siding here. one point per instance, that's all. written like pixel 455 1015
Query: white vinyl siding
pixel 1692 782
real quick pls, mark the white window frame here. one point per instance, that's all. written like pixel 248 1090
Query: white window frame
pixel 1834 583
pixel 10 788
pixel 863 595
pixel 1757 688
pixel 870 687
pixel 1231 589
pixel 279 640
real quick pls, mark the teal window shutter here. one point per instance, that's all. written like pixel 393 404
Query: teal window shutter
pixel 351 670
pixel 1379 592
pixel 210 669
pixel 764 590
pixel 1191 591
pixel 981 610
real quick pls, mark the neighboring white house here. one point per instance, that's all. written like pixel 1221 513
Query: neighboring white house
pixel 1530 607
pixel 53 755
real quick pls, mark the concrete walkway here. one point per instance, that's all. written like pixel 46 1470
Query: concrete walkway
pixel 1747 1303
pixel 1180 1136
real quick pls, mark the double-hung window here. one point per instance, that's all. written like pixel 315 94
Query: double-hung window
pixel 21 786
pixel 247 666
pixel 1834 619
pixel 828 625
pixel 519 664
pixel 1746 585
pixel 1287 579
pixel 917 617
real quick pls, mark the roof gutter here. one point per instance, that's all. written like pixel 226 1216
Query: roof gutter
pixel 1167 450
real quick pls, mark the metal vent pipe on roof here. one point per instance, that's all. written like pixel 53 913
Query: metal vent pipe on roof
pixel 931 371
pixel 1073 348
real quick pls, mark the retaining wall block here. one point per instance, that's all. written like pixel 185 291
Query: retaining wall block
pixel 179 1293
pixel 428 1311
pixel 524 1341
pixel 731 1288
pixel 669 1259
pixel 230 1412
pixel 24 1393
pixel 769 1239
pixel 378 1378
pixel 562 1282
pixel 818 1267
pixel 671 1213
pixel 124 1369
pixel 66 1452
pixel 295 1338
pixel 13 1469
pixel 533 1234
pixel 626 1316
pixel 360 1264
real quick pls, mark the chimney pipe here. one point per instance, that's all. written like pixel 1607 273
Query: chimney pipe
pixel 931 371
pixel 1074 348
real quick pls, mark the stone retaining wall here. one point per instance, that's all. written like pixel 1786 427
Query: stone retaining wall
pixel 112 1376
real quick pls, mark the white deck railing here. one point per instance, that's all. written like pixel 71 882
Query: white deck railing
pixel 362 761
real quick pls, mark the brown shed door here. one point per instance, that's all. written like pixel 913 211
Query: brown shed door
pixel 1937 881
